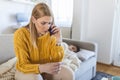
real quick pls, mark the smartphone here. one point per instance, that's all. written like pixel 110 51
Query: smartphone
pixel 50 30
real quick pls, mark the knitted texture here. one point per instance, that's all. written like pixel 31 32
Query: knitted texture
pixel 28 56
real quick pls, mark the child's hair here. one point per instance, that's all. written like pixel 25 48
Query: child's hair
pixel 73 47
pixel 78 48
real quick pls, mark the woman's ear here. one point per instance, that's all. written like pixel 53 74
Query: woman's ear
pixel 33 19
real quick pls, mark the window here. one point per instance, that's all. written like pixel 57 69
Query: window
pixel 63 12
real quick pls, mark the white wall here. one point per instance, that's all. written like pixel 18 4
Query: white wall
pixel 8 10
pixel 95 24
pixel 100 25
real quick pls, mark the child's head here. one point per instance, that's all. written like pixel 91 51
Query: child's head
pixel 73 48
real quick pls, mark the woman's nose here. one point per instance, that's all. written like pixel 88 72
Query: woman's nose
pixel 47 27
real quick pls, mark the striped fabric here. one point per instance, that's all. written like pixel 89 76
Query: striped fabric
pixel 8 75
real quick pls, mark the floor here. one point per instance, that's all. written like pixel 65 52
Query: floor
pixel 113 70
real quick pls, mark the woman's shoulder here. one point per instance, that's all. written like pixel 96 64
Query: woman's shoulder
pixel 21 31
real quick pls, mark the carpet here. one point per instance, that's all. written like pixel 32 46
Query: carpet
pixel 100 75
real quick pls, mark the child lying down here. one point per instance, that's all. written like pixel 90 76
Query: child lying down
pixel 70 59
pixel 82 54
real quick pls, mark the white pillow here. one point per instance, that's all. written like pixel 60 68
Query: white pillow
pixel 85 54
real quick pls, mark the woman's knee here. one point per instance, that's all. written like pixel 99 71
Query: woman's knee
pixel 22 76
pixel 65 73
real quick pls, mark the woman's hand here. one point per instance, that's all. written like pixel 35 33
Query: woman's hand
pixel 56 32
pixel 51 68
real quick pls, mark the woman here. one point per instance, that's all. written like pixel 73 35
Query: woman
pixel 37 51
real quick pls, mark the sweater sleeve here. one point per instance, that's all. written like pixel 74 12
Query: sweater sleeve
pixel 56 51
pixel 23 60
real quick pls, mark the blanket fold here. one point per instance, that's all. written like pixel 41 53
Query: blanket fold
pixel 70 59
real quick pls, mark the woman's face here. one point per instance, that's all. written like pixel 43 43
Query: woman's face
pixel 42 24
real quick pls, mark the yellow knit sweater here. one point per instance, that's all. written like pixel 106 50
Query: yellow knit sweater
pixel 28 57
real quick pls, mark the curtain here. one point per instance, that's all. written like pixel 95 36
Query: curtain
pixel 63 12
pixel 116 34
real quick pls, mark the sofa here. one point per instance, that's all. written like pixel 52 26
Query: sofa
pixel 86 71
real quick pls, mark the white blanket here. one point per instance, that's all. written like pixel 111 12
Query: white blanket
pixel 70 59
pixel 7 65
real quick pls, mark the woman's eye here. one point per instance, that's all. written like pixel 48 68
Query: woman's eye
pixel 50 23
pixel 43 23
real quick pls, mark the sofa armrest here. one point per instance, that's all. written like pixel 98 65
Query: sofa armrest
pixel 84 45
pixel 6 47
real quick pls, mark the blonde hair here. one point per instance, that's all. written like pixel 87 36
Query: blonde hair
pixel 39 11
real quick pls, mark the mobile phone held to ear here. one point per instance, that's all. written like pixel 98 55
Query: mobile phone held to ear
pixel 50 30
